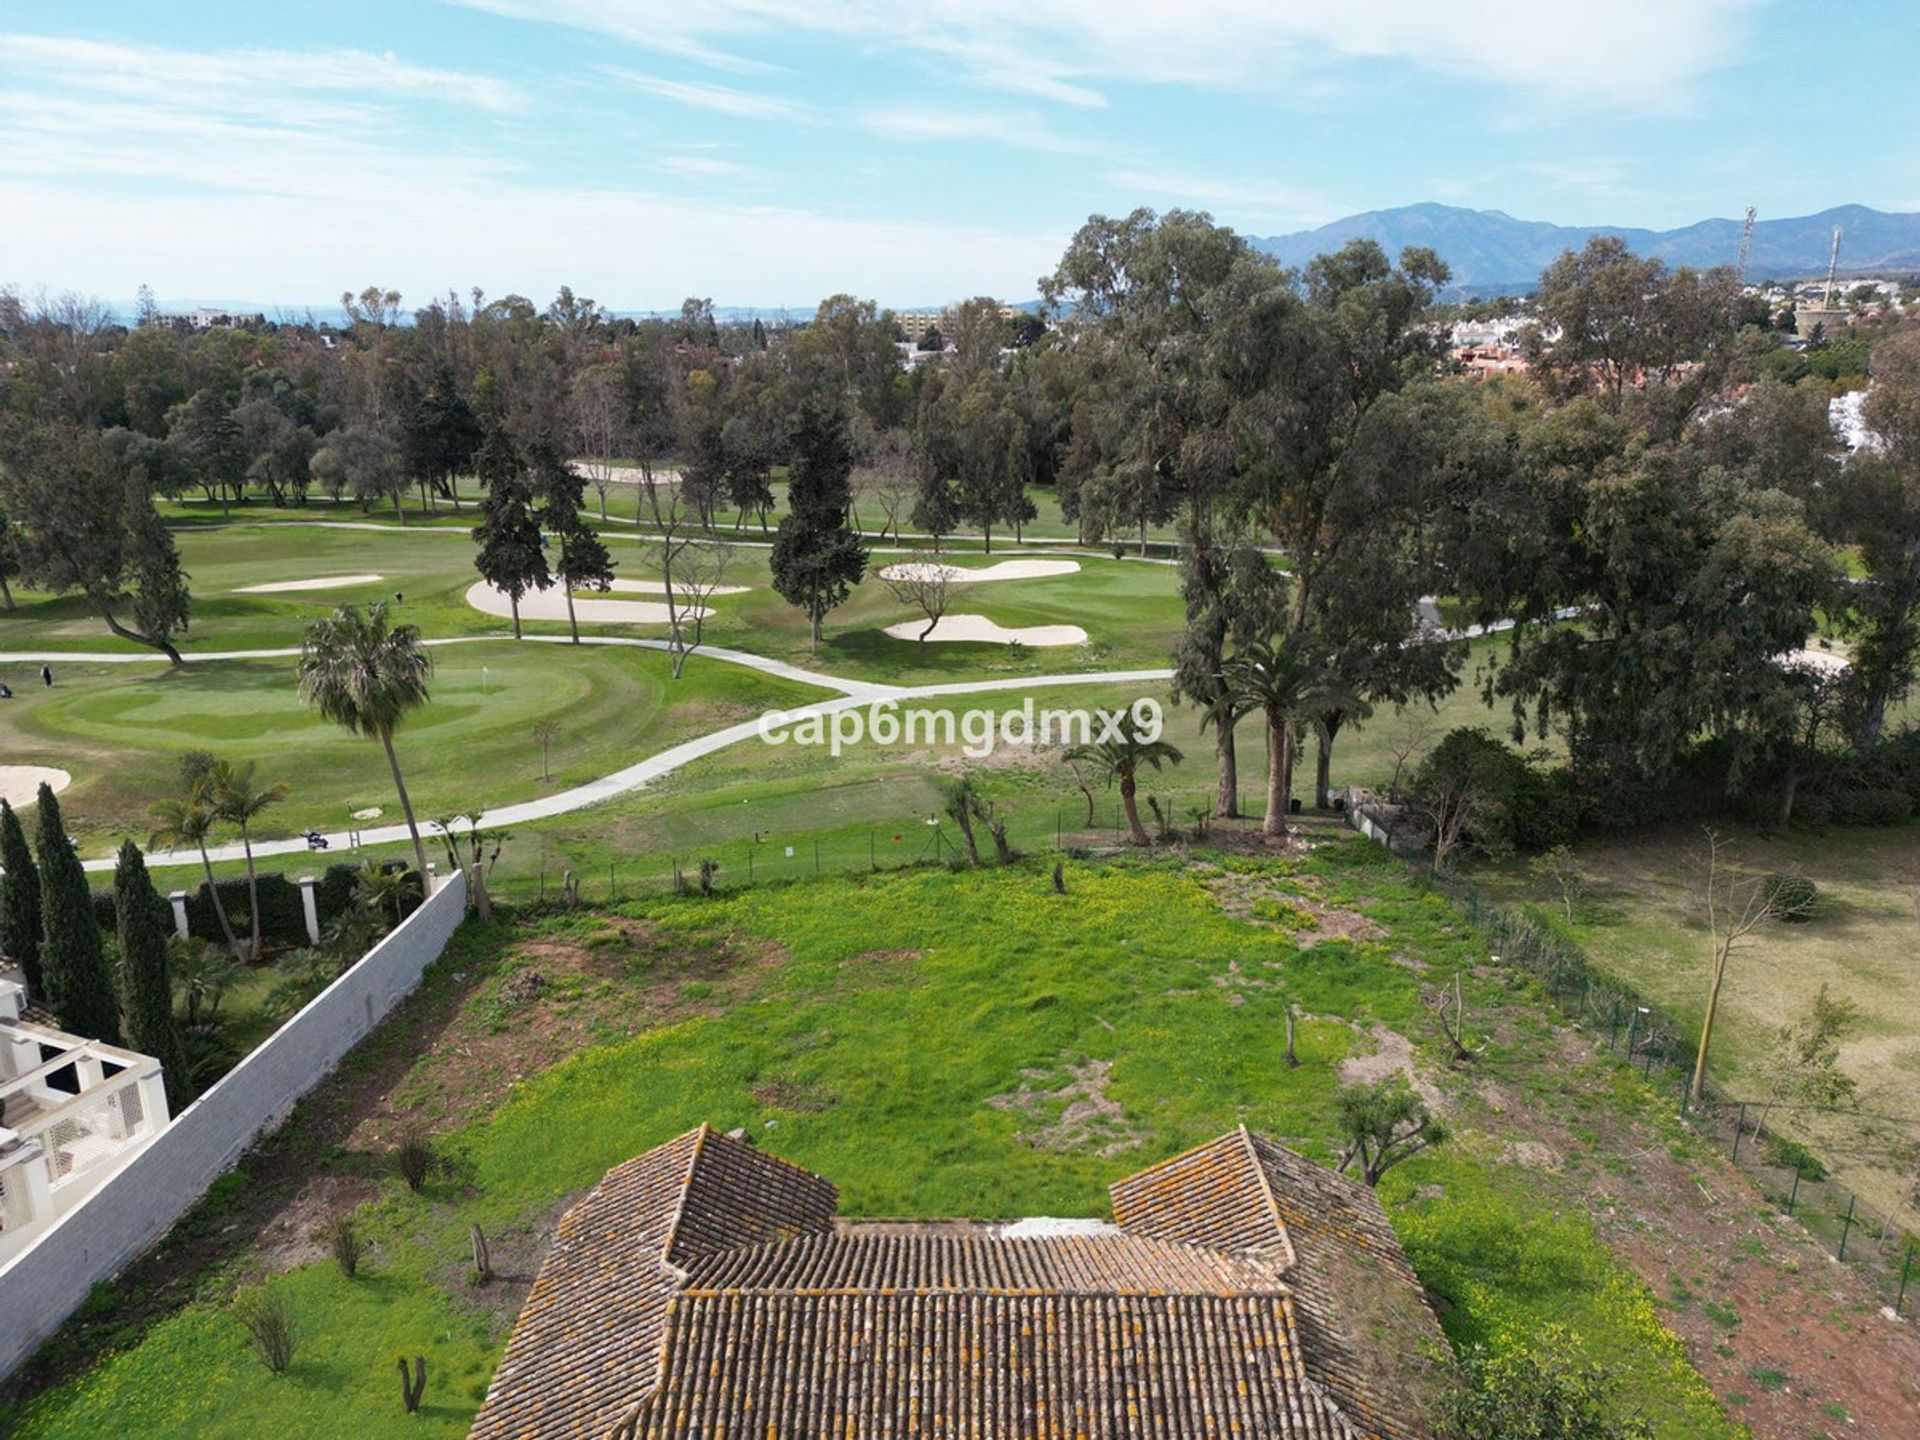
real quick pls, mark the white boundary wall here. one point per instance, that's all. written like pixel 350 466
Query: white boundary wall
pixel 46 1283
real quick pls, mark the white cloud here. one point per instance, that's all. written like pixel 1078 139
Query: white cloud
pixel 706 165
pixel 1264 199
pixel 243 75
pixel 724 100
pixel 1023 132
pixel 1626 55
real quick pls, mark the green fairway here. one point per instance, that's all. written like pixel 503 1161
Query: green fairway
pixel 864 1028
pixel 120 730
pixel 1130 610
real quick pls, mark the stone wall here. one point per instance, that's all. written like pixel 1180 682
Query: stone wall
pixel 93 1242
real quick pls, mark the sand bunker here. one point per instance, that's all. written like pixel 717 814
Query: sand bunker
pixel 961 575
pixel 552 605
pixel 20 784
pixel 658 587
pixel 1815 662
pixel 980 629
pixel 323 582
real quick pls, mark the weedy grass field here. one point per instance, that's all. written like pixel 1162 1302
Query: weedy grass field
pixel 921 1037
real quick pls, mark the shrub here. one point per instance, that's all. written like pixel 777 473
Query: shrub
pixel 1516 805
pixel 345 1243
pixel 1872 805
pixel 1790 897
pixel 414 1160
pixel 1546 1390
pixel 271 1325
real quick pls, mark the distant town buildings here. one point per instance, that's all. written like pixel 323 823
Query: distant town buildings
pixel 203 319
pixel 73 1112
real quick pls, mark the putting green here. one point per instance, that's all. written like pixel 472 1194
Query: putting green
pixel 121 730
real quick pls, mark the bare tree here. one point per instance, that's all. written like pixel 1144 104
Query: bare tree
pixel 702 572
pixel 1558 867
pixel 927 585
pixel 1406 740
pixel 1803 1065
pixel 1735 904
pixel 601 434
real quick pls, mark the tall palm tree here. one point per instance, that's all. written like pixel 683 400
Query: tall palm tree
pixel 1279 680
pixel 238 801
pixel 365 673
pixel 1119 757
pixel 186 820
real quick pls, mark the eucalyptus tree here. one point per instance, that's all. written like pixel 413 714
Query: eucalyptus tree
pixel 1169 320
pixel 83 523
pixel 511 558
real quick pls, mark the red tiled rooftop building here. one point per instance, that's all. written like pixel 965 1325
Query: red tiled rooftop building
pixel 705 1289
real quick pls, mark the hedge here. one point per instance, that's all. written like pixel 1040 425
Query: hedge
pixel 283 919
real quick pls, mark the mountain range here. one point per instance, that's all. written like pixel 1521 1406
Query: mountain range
pixel 1491 252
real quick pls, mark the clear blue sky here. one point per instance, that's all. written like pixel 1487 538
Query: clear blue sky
pixel 767 152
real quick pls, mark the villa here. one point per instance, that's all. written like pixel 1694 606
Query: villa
pixel 707 1289
pixel 73 1112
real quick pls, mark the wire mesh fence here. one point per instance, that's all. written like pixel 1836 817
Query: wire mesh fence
pixel 1750 1132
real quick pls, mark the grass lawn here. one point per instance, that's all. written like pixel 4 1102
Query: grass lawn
pixel 1642 919
pixel 860 1026
pixel 120 730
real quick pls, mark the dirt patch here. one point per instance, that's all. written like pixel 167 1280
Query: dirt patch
pixel 292 1237
pixel 1089 1121
pixel 515 1254
pixel 779 1093
pixel 1392 1055
pixel 1793 1342
pixel 551 999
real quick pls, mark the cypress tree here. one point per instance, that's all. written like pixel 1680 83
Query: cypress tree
pixel 145 978
pixel 79 986
pixel 20 902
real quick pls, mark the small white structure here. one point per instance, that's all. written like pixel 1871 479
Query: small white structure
pixel 73 1113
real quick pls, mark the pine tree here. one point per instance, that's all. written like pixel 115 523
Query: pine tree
pixel 79 986
pixel 817 559
pixel 511 558
pixel 19 902
pixel 584 562
pixel 145 978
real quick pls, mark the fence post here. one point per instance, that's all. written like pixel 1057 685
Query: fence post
pixel 1847 1228
pixel 816 854
pixel 749 864
pixel 1739 1126
pixel 1906 1269
pixel 873 862
pixel 1794 1194
pixel 613 886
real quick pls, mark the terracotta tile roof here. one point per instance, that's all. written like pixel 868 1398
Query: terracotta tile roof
pixel 703 1290
pixel 587 1344
pixel 1366 1330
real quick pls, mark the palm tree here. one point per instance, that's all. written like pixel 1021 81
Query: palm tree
pixel 1118 755
pixel 188 819
pixel 1279 681
pixel 364 673
pixel 238 801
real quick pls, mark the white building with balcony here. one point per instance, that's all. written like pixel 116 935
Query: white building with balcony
pixel 73 1113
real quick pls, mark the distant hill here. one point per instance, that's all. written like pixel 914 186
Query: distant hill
pixel 1491 252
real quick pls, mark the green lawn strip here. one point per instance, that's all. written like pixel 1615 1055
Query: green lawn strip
pixel 880 1015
